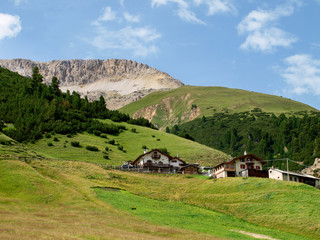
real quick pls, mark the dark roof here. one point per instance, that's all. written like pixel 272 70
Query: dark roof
pixel 189 165
pixel 248 155
pixel 154 150
pixel 176 158
pixel 244 156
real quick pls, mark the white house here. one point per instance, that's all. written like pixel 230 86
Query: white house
pixel 294 177
pixel 157 161
pixel 247 165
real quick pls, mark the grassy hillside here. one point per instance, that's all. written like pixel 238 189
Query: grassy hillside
pixel 77 200
pixel 132 140
pixel 188 102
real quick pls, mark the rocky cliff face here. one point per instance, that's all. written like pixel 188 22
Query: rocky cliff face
pixel 119 81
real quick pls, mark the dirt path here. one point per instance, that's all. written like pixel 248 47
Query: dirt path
pixel 255 235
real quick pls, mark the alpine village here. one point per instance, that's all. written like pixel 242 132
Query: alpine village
pixel 159 120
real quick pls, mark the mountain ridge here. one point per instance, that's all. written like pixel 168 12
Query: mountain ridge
pixel 119 81
pixel 165 109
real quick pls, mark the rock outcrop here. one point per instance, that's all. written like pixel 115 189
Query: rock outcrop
pixel 119 81
pixel 314 169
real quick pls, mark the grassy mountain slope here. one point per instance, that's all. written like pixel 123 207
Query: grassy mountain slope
pixel 60 200
pixel 188 102
pixel 132 142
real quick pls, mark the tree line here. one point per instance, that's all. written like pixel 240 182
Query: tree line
pixel 295 136
pixel 35 108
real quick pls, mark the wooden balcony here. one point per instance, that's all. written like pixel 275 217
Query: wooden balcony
pixel 156 165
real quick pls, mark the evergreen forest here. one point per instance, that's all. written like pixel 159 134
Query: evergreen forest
pixel 295 136
pixel 29 109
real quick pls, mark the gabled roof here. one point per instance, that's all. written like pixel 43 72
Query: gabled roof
pixel 244 156
pixel 179 159
pixel 248 155
pixel 154 150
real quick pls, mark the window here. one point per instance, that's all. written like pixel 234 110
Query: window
pixel 242 166
pixel 160 163
pixel 232 166
pixel 226 165
pixel 258 167
pixel 241 160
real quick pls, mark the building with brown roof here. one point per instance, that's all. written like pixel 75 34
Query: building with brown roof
pixel 245 166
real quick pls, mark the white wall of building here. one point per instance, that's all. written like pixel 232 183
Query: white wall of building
pixel 275 175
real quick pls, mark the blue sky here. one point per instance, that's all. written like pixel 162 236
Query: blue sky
pixel 269 46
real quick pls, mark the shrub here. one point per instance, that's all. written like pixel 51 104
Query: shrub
pixel 92 148
pixel 133 130
pixel 144 147
pixel 5 142
pixel 47 135
pixel 69 135
pixel 107 149
pixel 105 156
pixel 97 132
pixel 158 139
pixel 112 142
pixel 153 136
pixel 103 135
pixel 120 147
pixel 75 144
pixel 50 144
pixel 55 139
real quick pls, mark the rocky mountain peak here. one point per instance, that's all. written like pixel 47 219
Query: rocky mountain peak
pixel 119 81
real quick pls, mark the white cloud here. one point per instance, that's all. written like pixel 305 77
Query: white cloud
pixel 263 34
pixel 268 39
pixel 131 18
pixel 188 16
pixel 217 6
pixel 182 11
pixel 108 15
pixel 18 2
pixel 302 74
pixel 10 26
pixel 140 41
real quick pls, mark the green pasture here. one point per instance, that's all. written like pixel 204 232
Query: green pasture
pixel 132 142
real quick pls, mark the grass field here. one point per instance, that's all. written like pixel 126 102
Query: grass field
pixel 132 142
pixel 183 216
pixel 45 199
pixel 175 106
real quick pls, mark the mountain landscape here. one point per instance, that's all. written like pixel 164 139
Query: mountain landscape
pixel 186 103
pixel 119 81
pixel 60 153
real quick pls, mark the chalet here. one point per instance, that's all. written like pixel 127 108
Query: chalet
pixel 158 162
pixel 244 166
pixel 189 169
pixel 294 177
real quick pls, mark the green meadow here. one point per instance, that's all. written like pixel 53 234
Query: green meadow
pixel 51 199
pixel 59 192
pixel 175 106
pixel 131 140
pixel 184 216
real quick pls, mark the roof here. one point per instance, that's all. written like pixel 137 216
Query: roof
pixel 154 150
pixel 294 173
pixel 244 156
pixel 176 158
pixel 248 155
